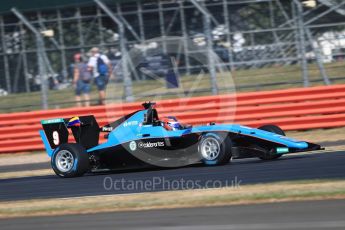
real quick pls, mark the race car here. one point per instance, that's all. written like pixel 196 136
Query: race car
pixel 142 138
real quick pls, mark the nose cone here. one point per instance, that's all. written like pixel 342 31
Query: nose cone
pixel 300 145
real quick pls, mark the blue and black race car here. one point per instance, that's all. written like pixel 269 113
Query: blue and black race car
pixel 142 138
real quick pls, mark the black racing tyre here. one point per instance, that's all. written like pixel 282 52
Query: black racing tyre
pixel 70 160
pixel 272 129
pixel 214 149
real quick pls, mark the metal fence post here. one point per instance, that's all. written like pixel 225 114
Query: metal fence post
pixel 127 81
pixel 228 36
pixel 40 57
pixel 185 37
pixel 302 43
pixel 210 54
pixel 319 59
pixel 6 65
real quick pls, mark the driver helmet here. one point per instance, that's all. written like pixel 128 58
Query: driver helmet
pixel 171 123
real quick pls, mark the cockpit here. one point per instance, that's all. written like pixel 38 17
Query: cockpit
pixel 170 123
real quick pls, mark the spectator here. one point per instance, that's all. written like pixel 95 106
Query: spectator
pixel 81 80
pixel 101 68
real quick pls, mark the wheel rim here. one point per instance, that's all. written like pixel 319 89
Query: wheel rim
pixel 210 149
pixel 64 161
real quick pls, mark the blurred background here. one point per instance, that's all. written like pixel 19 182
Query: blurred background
pixel 264 45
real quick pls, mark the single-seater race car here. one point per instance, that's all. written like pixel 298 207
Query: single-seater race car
pixel 142 138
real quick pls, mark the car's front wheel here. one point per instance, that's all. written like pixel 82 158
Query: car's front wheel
pixel 70 160
pixel 273 129
pixel 214 149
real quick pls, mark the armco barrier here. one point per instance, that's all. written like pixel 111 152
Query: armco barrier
pixel 292 109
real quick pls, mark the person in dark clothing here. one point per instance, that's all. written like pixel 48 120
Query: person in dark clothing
pixel 82 78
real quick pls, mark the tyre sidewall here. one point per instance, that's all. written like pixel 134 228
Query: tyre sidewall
pixel 223 156
pixel 80 164
pixel 273 129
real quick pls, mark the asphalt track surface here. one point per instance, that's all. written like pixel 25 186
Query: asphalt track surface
pixel 291 215
pixel 324 165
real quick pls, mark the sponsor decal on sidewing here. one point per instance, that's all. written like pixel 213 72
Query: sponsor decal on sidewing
pixel 151 144
pixel 107 129
pixel 133 145
pixel 52 121
pixel 130 123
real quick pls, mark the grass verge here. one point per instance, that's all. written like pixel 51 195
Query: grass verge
pixel 319 135
pixel 23 158
pixel 28 173
pixel 248 194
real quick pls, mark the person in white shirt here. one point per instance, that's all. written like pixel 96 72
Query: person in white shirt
pixel 101 69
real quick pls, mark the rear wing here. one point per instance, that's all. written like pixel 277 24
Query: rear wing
pixel 84 129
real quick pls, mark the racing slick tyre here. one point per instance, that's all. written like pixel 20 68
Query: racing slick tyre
pixel 214 149
pixel 272 129
pixel 70 160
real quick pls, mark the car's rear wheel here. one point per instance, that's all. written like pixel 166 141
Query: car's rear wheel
pixel 273 129
pixel 214 149
pixel 70 160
